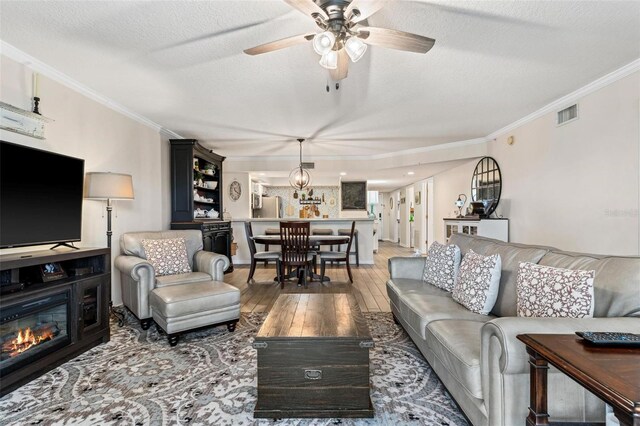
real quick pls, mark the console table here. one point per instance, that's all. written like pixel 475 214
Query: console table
pixel 610 373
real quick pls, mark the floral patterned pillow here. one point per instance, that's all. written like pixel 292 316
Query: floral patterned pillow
pixel 167 255
pixel 544 291
pixel 478 282
pixel 441 266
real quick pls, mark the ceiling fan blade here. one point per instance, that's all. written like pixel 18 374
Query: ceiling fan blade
pixel 394 39
pixel 340 73
pixel 279 44
pixel 364 9
pixel 308 7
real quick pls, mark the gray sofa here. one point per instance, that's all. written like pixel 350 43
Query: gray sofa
pixel 478 358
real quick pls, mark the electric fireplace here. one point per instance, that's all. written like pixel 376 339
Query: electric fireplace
pixel 45 322
pixel 31 329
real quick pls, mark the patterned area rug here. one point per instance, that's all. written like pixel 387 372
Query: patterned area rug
pixel 210 379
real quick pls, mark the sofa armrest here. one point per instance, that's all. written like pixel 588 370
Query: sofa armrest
pixel 505 368
pixel 213 264
pixel 407 267
pixel 513 353
pixel 137 279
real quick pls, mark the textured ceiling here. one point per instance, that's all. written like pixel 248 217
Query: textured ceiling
pixel 180 63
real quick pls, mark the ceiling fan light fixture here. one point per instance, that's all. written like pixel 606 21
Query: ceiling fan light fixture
pixel 355 48
pixel 329 60
pixel 323 42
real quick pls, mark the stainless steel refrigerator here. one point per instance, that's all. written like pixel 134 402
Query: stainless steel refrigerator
pixel 271 208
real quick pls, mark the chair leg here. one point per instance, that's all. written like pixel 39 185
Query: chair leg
pixel 357 253
pixel 349 270
pixel 173 339
pixel 281 275
pixel 252 270
pixel 231 327
pixel 145 323
pixel 278 276
pixel 323 265
pixel 266 248
pixel 303 271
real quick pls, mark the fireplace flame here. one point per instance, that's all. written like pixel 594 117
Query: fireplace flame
pixel 27 339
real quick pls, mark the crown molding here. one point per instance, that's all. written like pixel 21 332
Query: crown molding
pixel 40 67
pixel 571 98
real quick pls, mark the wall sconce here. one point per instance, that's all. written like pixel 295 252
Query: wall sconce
pixel 460 203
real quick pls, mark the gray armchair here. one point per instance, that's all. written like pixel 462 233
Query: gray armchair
pixel 137 276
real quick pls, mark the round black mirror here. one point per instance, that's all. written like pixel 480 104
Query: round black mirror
pixel 486 184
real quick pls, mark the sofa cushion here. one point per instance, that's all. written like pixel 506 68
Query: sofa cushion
pixel 191 277
pixel 404 287
pixel 441 265
pixel 167 255
pixel 456 343
pixel 467 242
pixel 477 284
pixel 616 283
pixel 418 309
pixel 511 255
pixel 545 291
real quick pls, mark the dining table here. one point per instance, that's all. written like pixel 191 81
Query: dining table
pixel 314 241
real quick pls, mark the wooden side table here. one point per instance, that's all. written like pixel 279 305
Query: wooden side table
pixel 610 373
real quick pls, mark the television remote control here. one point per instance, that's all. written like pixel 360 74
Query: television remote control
pixel 608 338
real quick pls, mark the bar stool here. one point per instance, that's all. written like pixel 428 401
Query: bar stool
pixel 270 231
pixel 354 250
pixel 322 231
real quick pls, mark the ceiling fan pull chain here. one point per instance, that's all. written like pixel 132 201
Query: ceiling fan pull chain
pixel 328 86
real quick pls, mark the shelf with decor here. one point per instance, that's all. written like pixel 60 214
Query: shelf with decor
pixel 196 196
pixel 491 228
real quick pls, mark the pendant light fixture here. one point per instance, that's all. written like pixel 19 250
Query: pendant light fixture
pixel 299 178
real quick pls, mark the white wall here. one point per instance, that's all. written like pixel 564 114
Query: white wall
pixel 576 186
pixel 240 209
pixel 107 141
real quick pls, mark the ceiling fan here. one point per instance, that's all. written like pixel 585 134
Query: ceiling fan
pixel 342 36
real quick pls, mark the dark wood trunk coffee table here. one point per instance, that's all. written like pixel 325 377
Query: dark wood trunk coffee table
pixel 610 373
pixel 313 358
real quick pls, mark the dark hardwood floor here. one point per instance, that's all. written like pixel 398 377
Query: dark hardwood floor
pixel 368 282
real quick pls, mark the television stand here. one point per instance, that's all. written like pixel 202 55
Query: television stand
pixel 70 245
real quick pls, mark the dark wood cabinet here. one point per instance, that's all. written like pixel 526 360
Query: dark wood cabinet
pixel 196 195
pixel 93 306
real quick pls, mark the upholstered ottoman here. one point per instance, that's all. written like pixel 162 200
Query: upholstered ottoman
pixel 184 307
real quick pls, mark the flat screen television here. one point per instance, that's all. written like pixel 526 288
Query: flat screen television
pixel 40 196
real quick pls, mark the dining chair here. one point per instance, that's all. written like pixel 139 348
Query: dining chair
pixel 294 242
pixel 338 256
pixel 266 256
pixel 354 236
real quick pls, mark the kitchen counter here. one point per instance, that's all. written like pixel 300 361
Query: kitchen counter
pixel 319 219
pixel 364 225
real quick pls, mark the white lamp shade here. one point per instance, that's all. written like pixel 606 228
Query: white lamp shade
pixel 323 42
pixel 329 60
pixel 355 48
pixel 112 186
